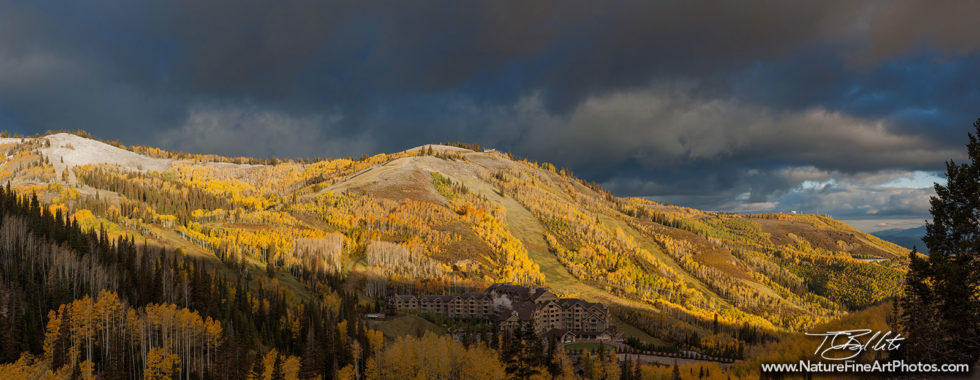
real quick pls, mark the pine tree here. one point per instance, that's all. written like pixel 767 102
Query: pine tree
pixel 941 309
pixel 312 364
pixel 626 369
pixel 258 369
pixel 554 367
pixel 277 373
pixel 523 354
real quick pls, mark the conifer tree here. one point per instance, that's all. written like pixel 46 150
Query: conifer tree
pixel 941 308
pixel 626 369
pixel 554 367
pixel 258 369
pixel 524 353
pixel 277 373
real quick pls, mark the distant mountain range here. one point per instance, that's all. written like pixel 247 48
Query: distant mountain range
pixel 905 237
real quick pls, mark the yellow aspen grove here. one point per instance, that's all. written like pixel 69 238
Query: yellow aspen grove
pixel 161 365
pixel 86 329
pixel 87 370
pixel 434 357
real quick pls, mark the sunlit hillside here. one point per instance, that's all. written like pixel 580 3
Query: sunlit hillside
pixel 444 219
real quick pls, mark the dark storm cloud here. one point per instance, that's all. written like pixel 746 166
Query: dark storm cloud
pixel 649 97
pixel 302 55
pixel 901 26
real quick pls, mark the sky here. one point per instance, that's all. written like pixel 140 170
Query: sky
pixel 837 107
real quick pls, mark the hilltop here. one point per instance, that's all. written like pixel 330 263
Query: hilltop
pixel 461 219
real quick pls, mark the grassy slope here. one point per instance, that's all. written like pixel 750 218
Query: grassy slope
pixel 405 325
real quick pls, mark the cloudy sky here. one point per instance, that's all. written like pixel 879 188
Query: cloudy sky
pixel 838 107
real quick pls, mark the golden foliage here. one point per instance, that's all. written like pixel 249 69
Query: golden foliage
pixel 434 357
pixel 171 338
pixel 161 364
pixel 512 264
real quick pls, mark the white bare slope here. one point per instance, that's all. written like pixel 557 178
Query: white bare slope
pixel 440 148
pixel 68 150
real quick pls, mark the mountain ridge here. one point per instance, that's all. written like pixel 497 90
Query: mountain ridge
pixel 905 237
pixel 479 217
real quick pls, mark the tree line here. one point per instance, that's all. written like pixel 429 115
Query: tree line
pixel 110 307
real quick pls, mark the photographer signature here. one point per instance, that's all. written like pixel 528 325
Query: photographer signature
pixel 847 344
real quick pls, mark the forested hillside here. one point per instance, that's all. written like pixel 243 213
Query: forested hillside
pixel 131 261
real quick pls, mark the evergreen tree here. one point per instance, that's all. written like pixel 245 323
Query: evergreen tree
pixel 554 367
pixel 523 354
pixel 626 369
pixel 277 373
pixel 312 364
pixel 258 369
pixel 941 309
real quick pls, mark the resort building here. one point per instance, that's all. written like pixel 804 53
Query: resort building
pixel 511 306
